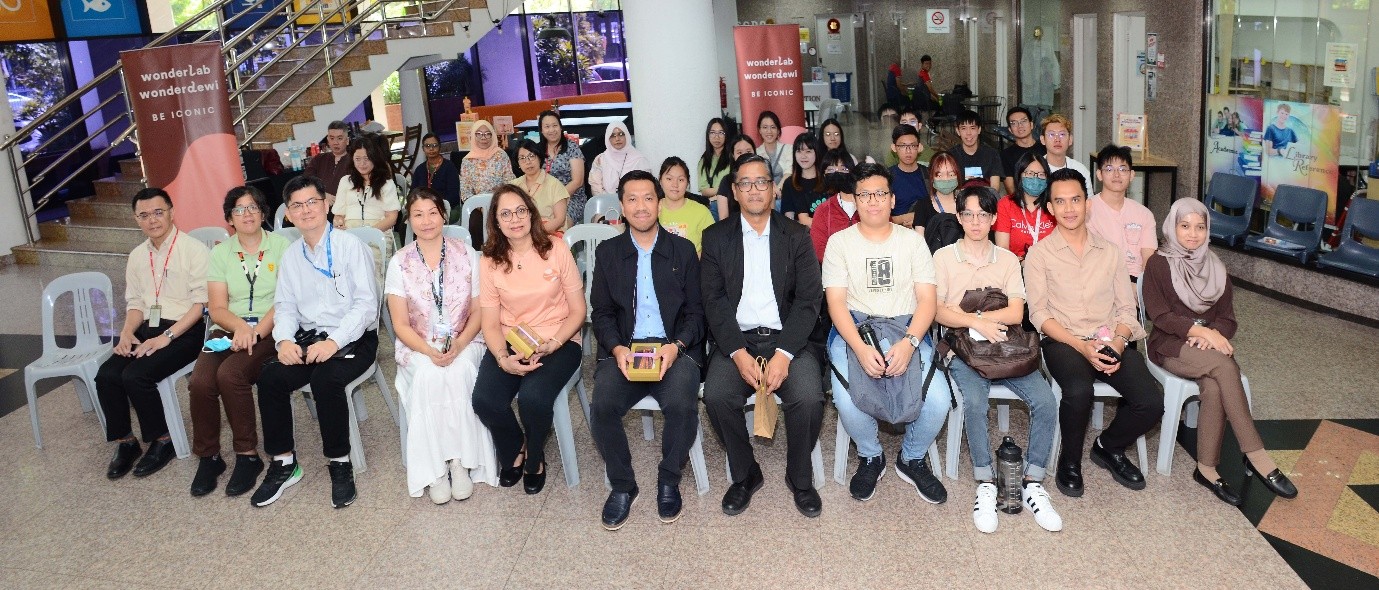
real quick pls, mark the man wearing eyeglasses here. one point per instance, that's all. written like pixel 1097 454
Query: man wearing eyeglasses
pixel 761 294
pixel 1021 125
pixel 331 165
pixel 1056 135
pixel 325 327
pixel 880 278
pixel 165 293
pixel 1121 221
pixel 911 180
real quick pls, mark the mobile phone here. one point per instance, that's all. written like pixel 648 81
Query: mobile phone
pixel 1111 352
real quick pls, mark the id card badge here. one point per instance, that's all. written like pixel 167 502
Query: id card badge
pixel 440 335
pixel 252 321
pixel 155 316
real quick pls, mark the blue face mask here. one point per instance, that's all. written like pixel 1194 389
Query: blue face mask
pixel 221 344
pixel 946 186
pixel 1033 186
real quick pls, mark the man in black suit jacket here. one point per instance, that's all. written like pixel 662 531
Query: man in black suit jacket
pixel 762 294
pixel 645 289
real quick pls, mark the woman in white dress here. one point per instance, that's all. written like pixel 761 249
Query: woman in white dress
pixel 433 288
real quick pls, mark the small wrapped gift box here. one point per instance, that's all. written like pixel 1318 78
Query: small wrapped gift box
pixel 524 340
pixel 646 366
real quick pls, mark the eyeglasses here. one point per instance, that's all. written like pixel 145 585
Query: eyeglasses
pixel 245 210
pixel 431 146
pixel 832 134
pixel 154 214
pixel 872 197
pixel 1056 135
pixel 510 214
pixel 833 169
pixel 1019 122
pixel 968 216
pixel 483 134
pixel 717 134
pixel 299 205
pixel 1035 175
pixel 760 184
pixel 907 146
pixel 528 158
pixel 1115 169
pixel 618 134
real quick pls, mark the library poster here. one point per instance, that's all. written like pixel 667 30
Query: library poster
pixel 1234 142
pixel 1302 147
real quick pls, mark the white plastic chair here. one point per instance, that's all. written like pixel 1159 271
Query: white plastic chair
pixel 278 216
pixel 565 429
pixel 474 203
pixel 999 393
pixel 210 235
pixel 696 453
pixel 383 243
pixel 172 411
pixel 817 457
pixel 84 359
pixel 1102 390
pixel 1178 392
pixel 457 232
pixel 606 206
pixel 359 413
pixel 587 237
pixel 840 456
pixel 292 234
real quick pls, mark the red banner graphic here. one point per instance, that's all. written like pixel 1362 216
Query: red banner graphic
pixel 186 140
pixel 768 73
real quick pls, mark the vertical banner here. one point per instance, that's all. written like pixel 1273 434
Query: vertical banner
pixel 1302 147
pixel 186 141
pixel 768 72
pixel 25 20
pixel 1235 136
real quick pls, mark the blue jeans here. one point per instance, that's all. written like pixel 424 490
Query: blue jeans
pixel 862 427
pixel 1043 417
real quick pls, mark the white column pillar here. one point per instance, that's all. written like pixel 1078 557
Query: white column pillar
pixel 673 74
pixel 414 108
pixel 14 208
pixel 724 19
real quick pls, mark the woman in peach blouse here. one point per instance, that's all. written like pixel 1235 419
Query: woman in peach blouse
pixel 525 279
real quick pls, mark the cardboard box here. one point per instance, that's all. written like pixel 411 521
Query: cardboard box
pixel 646 366
pixel 524 340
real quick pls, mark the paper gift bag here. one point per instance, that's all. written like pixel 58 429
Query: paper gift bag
pixel 764 417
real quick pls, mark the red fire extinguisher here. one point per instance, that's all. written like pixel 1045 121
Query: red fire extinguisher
pixel 722 93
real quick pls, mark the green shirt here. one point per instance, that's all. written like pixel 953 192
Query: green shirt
pixel 225 268
pixel 689 221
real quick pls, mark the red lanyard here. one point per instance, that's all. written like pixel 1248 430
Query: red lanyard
pixel 158 287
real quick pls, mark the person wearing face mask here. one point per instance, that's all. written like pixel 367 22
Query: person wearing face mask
pixel 1020 218
pixel 943 182
pixel 838 211
pixel 619 159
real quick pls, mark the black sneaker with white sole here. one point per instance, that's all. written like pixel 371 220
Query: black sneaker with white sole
pixel 342 492
pixel 280 477
pixel 870 470
pixel 917 473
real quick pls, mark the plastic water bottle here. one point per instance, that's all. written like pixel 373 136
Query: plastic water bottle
pixel 1010 469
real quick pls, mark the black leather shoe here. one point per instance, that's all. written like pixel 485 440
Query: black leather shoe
pixel 208 471
pixel 1218 487
pixel 739 495
pixel 1276 481
pixel 125 454
pixel 509 476
pixel 245 475
pixel 668 503
pixel 617 508
pixel 1122 470
pixel 807 500
pixel 533 483
pixel 158 454
pixel 1069 476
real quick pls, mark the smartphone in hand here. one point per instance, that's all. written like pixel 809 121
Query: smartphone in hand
pixel 1111 352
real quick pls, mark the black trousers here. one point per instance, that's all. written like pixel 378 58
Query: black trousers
pixel 535 392
pixel 1141 407
pixel 124 381
pixel 328 380
pixel 614 395
pixel 802 403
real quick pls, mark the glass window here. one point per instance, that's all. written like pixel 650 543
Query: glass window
pixel 502 63
pixel 35 79
pixel 602 56
pixel 553 56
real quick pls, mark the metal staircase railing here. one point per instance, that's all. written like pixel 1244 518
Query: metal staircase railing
pixel 336 32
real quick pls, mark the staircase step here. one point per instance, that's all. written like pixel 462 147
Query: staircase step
pixel 108 258
pixel 97 208
pixel 118 187
pixel 131 168
pixel 292 114
pixel 97 231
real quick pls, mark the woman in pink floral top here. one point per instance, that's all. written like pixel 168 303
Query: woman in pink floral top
pixel 485 166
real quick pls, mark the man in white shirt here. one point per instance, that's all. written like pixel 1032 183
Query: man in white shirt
pixel 327 300
pixel 1056 134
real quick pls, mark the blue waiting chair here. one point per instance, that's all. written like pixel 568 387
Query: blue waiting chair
pixel 1304 208
pixel 1352 255
pixel 1231 192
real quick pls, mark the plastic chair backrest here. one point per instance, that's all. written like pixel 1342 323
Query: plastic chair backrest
pixel 1232 192
pixel 1362 217
pixel 292 234
pixel 457 232
pixel 375 237
pixel 1300 205
pixel 84 312
pixel 478 202
pixel 606 206
pixel 278 216
pixel 210 235
pixel 586 237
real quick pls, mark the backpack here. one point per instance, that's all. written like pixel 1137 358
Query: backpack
pixel 941 230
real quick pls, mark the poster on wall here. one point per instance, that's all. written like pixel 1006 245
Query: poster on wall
pixel 768 77
pixel 187 143
pixel 1302 147
pixel 1340 65
pixel 1235 134
pixel 25 20
pixel 97 18
pixel 1132 131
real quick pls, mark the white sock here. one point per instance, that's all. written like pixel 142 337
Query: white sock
pixel 345 459
pixel 287 459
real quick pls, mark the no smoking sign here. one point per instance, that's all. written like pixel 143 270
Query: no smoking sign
pixel 937 20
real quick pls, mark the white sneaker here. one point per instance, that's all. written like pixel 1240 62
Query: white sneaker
pixel 440 490
pixel 461 486
pixel 984 509
pixel 1037 501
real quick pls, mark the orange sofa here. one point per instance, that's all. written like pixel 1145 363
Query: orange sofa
pixel 525 111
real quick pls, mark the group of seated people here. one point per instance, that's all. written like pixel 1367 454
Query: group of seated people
pixel 756 303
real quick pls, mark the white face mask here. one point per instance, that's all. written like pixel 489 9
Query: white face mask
pixel 849 207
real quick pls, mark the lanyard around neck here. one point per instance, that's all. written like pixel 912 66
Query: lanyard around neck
pixel 251 278
pixel 438 289
pixel 329 270
pixel 157 285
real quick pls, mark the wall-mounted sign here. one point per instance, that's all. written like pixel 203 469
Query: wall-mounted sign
pixel 100 18
pixel 25 20
pixel 937 20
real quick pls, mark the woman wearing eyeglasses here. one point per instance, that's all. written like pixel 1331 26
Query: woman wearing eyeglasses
pixel 1020 217
pixel 546 191
pixel 433 289
pixel 367 196
pixel 525 279
pixel 240 282
pixel 437 173
pixel 715 163
pixel 619 159
pixel 485 167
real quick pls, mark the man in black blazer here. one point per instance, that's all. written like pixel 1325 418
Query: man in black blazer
pixel 645 289
pixel 762 294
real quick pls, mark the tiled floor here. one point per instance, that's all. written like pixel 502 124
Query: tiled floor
pixel 1315 396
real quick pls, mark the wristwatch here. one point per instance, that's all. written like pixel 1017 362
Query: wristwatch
pixel 169 334
pixel 913 340
pixel 979 313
